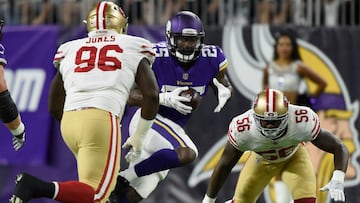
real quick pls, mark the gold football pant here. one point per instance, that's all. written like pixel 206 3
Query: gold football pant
pixel 94 137
pixel 296 172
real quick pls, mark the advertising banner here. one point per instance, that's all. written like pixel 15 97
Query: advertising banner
pixel 29 70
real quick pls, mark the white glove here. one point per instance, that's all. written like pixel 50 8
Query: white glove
pixel 18 141
pixel 135 141
pixel 208 199
pixel 336 186
pixel 174 100
pixel 18 136
pixel 223 95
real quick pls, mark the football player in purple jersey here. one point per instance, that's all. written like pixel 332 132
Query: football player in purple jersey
pixel 9 114
pixel 183 61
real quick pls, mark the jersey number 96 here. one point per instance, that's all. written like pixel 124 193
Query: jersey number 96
pixel 88 56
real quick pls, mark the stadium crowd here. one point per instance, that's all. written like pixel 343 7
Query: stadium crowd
pixel 212 12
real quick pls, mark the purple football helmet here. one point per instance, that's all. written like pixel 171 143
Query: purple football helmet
pixel 185 35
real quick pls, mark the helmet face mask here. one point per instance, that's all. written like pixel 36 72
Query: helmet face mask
pixel 271 113
pixel 185 35
pixel 107 15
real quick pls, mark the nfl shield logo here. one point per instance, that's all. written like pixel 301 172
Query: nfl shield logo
pixel 185 76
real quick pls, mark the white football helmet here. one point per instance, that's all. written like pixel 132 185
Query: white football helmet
pixel 107 15
pixel 271 113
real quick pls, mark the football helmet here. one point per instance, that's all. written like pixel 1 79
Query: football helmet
pixel 185 26
pixel 107 15
pixel 271 113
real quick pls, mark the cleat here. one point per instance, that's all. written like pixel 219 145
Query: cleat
pixel 23 188
pixel 120 189
pixel 15 199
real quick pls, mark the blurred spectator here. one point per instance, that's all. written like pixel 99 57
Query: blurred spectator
pixel 349 12
pixel 171 7
pixel 331 12
pixel 298 12
pixel 133 9
pixel 69 12
pixel 273 11
pixel 35 12
pixel 46 13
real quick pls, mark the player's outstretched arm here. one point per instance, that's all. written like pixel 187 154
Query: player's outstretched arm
pixel 330 143
pixel 146 81
pixel 229 158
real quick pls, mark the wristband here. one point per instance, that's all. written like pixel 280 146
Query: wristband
pixel 20 129
pixel 143 126
pixel 338 175
pixel 208 199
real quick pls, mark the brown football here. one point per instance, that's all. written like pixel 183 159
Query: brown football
pixel 195 98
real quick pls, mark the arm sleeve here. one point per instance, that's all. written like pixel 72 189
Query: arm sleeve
pixel 59 55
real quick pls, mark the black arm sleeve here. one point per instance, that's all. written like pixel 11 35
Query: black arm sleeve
pixel 8 109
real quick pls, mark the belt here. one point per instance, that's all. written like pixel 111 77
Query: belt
pixel 82 108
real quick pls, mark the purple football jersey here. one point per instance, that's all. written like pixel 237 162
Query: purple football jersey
pixel 170 74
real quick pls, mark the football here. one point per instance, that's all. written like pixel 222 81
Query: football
pixel 195 98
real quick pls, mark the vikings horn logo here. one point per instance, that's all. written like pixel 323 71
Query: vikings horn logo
pixel 334 106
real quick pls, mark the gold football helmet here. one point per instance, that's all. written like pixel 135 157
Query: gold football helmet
pixel 271 113
pixel 107 15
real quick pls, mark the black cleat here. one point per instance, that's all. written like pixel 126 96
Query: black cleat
pixel 120 189
pixel 23 188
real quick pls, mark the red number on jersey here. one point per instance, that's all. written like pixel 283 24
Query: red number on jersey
pixel 86 57
pixel 243 124
pixel 301 115
pixel 275 154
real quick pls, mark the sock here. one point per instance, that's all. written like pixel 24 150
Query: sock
pixel 74 192
pixel 306 200
pixel 282 193
pixel 160 160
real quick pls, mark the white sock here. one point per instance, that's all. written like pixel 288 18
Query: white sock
pixel 281 192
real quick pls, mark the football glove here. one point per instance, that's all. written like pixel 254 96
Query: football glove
pixel 135 141
pixel 208 199
pixel 135 144
pixel 223 95
pixel 174 100
pixel 18 141
pixel 336 186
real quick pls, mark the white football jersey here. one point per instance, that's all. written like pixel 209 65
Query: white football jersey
pixel 303 125
pixel 99 71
